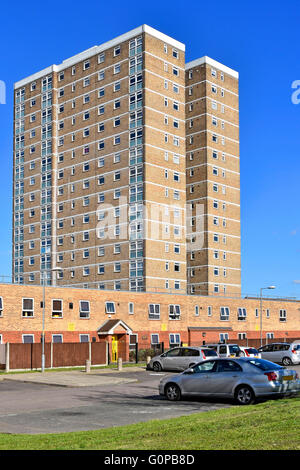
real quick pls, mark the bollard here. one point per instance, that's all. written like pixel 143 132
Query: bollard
pixel 148 359
pixel 120 363
pixel 87 366
pixel 7 357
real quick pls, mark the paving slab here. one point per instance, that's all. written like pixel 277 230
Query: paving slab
pixel 78 378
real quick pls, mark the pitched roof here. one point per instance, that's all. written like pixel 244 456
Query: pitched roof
pixel 108 327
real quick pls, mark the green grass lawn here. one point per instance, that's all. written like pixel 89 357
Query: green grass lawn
pixel 272 425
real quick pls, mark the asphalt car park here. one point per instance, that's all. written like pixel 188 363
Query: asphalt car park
pixel 32 408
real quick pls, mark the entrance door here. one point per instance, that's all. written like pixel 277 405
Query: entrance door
pixel 114 348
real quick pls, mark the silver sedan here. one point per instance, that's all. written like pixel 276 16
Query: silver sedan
pixel 243 379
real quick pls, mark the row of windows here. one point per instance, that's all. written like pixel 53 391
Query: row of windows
pixel 174 339
pixel 214 73
pixel 135 47
pixel 154 310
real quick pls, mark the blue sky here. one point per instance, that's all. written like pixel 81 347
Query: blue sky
pixel 260 39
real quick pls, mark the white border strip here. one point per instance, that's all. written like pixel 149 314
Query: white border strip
pixel 207 60
pixel 97 49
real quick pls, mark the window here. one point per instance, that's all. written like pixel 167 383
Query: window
pixel 242 314
pixel 101 58
pixel 27 308
pixel 117 86
pixel 101 269
pixel 174 339
pixel 224 313
pixel 117 140
pixel 27 339
pixel 282 315
pixel 57 311
pixel 1 306
pixel 117 267
pixel 110 307
pixel 154 338
pixel 84 309
pixel 174 312
pixel 131 308
pixel 57 338
pixel 154 311
pixel 84 338
pixel 224 337
pixel 86 271
pixel 242 335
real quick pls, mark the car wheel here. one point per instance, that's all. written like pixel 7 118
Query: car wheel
pixel 172 392
pixel 244 395
pixel 286 361
pixel 157 367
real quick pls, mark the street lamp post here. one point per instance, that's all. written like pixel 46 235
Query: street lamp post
pixel 262 288
pixel 43 317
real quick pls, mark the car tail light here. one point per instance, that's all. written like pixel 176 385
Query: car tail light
pixel 294 351
pixel 247 354
pixel 271 376
pixel 297 376
pixel 204 357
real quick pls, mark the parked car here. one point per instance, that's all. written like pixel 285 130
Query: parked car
pixel 249 352
pixel 285 353
pixel 226 350
pixel 180 358
pixel 243 379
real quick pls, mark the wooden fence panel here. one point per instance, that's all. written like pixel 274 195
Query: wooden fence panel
pixel 99 353
pixel 20 356
pixel 70 354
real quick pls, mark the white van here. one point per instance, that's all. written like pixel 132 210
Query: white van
pixel 226 350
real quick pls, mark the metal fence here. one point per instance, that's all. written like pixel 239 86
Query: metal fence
pixel 138 352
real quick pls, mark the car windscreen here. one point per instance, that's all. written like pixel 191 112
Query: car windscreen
pixel 209 352
pixel 264 365
pixel 252 351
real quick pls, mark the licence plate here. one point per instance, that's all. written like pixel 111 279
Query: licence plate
pixel 287 377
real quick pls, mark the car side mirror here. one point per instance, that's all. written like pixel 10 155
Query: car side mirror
pixel 189 371
pixel 163 355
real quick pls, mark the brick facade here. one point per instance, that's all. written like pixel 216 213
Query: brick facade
pixel 198 318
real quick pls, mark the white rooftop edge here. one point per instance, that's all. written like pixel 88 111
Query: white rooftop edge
pixel 214 63
pixel 97 49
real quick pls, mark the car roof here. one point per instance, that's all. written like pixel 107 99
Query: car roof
pixel 279 342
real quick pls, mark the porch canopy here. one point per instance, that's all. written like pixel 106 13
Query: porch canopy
pixel 114 327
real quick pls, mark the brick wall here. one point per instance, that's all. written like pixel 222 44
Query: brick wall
pixel 13 325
